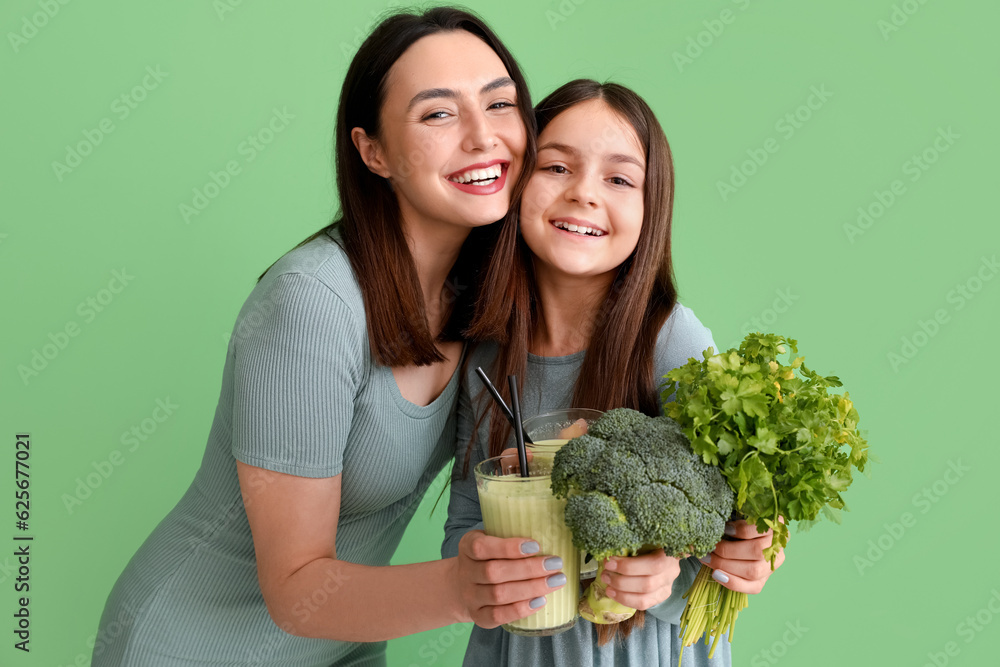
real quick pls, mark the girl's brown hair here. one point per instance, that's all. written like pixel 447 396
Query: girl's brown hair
pixel 369 218
pixel 617 370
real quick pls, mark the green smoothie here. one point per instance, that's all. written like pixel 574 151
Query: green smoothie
pixel 515 506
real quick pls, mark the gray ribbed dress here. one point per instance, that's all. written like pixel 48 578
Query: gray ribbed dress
pixel 548 385
pixel 301 394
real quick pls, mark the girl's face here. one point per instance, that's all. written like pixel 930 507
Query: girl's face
pixel 582 210
pixel 452 141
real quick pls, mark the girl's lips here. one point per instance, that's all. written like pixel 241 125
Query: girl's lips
pixel 492 188
pixel 576 234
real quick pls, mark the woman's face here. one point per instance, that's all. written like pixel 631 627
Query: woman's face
pixel 452 141
pixel 582 210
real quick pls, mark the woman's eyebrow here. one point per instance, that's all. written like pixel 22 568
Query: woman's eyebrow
pixel 448 93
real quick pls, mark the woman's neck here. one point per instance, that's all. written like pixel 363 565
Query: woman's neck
pixel 435 248
pixel 568 308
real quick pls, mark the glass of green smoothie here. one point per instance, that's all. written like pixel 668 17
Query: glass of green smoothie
pixel 551 430
pixel 515 506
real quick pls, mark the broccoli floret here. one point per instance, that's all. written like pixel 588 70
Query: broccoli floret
pixel 634 484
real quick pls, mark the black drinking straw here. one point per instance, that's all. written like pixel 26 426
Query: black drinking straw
pixel 499 399
pixel 522 456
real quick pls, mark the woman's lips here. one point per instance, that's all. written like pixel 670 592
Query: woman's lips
pixel 488 189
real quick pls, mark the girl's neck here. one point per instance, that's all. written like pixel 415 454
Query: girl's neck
pixel 435 247
pixel 568 308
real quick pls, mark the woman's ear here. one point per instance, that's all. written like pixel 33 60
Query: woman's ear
pixel 370 151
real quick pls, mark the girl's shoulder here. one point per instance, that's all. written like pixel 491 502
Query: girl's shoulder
pixel 682 337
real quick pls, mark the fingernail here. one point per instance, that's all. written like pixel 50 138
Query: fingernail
pixel 536 603
pixel 611 564
pixel 529 547
pixel 611 592
pixel 730 529
pixel 553 563
pixel 556 580
pixel 720 576
pixel 706 559
pixel 606 578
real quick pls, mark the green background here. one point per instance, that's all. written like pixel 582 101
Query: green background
pixel 778 240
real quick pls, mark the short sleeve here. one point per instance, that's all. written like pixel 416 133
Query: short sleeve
pixel 682 337
pixel 298 363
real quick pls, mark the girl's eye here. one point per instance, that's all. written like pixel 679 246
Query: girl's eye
pixel 555 169
pixel 618 180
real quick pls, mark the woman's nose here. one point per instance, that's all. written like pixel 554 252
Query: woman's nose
pixel 479 134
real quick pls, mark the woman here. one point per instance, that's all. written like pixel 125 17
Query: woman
pixel 336 409
pixel 595 323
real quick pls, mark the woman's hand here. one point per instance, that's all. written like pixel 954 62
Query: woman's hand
pixel 739 563
pixel 500 580
pixel 642 581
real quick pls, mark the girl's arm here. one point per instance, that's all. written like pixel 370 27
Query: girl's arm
pixel 310 593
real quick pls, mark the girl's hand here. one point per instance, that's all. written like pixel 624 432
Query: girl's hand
pixel 739 563
pixel 642 581
pixel 500 580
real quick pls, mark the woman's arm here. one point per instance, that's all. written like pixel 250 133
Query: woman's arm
pixel 310 593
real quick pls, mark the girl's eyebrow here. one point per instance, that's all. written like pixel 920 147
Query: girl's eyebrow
pixel 571 150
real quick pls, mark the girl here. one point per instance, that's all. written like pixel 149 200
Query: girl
pixel 336 409
pixel 595 323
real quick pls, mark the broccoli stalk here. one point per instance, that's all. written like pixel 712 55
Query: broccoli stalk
pixel 632 484
pixel 597 607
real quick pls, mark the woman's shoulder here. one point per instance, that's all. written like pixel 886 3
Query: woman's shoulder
pixel 321 260
pixel 311 288
pixel 681 337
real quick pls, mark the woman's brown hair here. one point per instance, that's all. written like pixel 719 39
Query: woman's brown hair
pixel 369 217
pixel 617 370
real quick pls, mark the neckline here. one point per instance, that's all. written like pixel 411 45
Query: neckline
pixel 410 408
pixel 566 359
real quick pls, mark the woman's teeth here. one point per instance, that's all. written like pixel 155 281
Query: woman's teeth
pixel 579 229
pixel 479 176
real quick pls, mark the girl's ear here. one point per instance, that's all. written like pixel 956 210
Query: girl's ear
pixel 370 151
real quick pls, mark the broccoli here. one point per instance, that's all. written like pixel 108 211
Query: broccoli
pixel 633 484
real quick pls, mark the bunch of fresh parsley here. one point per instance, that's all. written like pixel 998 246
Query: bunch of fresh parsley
pixel 784 442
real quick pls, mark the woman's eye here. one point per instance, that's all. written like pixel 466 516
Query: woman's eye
pixel 501 105
pixel 436 115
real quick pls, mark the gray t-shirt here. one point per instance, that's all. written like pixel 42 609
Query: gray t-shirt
pixel 548 385
pixel 301 394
